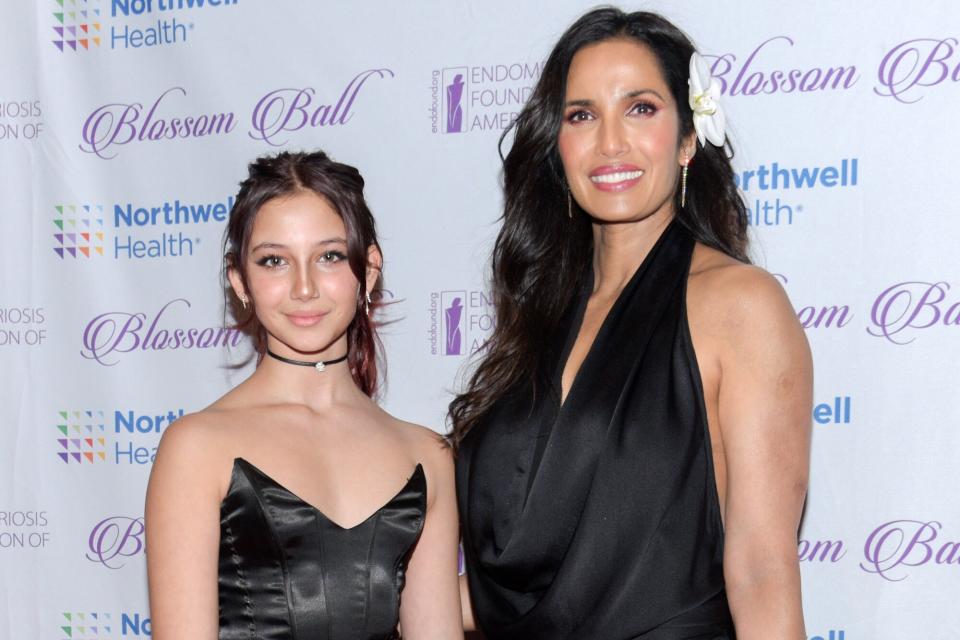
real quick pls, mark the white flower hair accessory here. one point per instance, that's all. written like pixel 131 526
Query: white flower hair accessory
pixel 708 119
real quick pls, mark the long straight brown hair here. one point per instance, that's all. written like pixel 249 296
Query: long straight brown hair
pixel 540 251
pixel 341 185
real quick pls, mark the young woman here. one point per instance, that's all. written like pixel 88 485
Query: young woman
pixel 633 447
pixel 294 507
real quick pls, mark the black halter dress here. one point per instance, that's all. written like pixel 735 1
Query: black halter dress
pixel 287 572
pixel 599 519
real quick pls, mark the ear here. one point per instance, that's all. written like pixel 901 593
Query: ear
pixel 236 283
pixel 374 266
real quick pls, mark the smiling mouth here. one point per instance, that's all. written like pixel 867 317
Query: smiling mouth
pixel 614 178
pixel 305 320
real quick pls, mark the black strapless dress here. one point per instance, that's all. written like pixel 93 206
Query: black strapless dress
pixel 288 572
pixel 599 519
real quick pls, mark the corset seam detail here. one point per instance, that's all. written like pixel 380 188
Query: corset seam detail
pixel 373 538
pixel 241 579
pixel 281 556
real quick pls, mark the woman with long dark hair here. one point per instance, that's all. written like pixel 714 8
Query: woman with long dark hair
pixel 633 445
pixel 294 507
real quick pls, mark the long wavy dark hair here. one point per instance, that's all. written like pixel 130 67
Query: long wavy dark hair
pixel 341 185
pixel 540 251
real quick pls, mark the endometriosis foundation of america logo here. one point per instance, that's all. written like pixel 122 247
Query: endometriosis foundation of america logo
pixel 79 232
pixel 77 25
pixel 81 436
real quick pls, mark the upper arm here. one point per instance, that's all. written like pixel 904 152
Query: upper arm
pixel 765 397
pixel 430 606
pixel 183 534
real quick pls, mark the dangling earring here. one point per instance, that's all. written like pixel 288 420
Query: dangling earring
pixel 683 181
pixel 569 204
pixel 366 304
pixel 243 301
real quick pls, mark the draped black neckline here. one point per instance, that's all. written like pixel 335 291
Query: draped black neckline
pixel 559 501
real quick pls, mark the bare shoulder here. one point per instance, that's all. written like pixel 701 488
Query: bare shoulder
pixel 196 447
pixel 736 300
pixel 431 450
pixel 425 443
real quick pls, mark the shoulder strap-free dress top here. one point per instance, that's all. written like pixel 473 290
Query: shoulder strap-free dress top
pixel 599 519
pixel 288 572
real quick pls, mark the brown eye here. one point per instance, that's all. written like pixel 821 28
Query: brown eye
pixel 333 256
pixel 644 109
pixel 270 261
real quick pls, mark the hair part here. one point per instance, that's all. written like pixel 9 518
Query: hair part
pixel 540 252
pixel 341 185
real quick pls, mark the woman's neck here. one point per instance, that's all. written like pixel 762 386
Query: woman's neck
pixel 620 248
pixel 285 383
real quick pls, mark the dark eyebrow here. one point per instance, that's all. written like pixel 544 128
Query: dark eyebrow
pixel 626 96
pixel 277 245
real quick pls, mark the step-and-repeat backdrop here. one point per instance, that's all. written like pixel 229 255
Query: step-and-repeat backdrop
pixel 125 126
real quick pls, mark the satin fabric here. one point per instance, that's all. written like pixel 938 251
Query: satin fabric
pixel 287 571
pixel 600 518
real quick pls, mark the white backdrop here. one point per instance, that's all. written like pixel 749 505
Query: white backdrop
pixel 125 126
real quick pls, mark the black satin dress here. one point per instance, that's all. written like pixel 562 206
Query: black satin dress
pixel 289 572
pixel 599 519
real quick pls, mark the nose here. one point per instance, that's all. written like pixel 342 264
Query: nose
pixel 304 287
pixel 612 140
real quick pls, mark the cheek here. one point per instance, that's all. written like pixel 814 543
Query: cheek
pixel 340 285
pixel 264 287
pixel 570 148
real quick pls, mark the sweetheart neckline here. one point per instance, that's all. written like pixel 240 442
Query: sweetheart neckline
pixel 417 471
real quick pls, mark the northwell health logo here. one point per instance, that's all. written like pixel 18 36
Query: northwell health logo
pixel 81 436
pixel 83 25
pixel 87 625
pixel 118 436
pixel 134 231
pixel 77 25
pixel 79 230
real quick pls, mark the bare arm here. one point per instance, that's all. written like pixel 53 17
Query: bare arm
pixel 183 534
pixel 430 606
pixel 764 416
pixel 469 624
